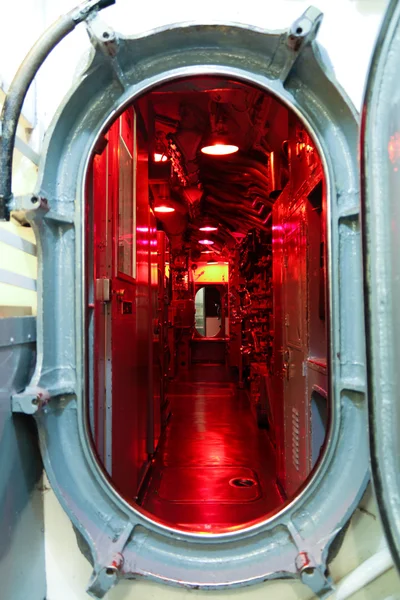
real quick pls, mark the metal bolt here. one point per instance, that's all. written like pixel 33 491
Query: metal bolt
pixel 303 562
pixel 115 566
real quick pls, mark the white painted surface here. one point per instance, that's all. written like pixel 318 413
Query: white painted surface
pixel 348 34
pixel 364 574
pixel 21 21
pixel 68 571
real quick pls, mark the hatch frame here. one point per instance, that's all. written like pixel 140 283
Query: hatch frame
pixel 380 125
pixel 120 541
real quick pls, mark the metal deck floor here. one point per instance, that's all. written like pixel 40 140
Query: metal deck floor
pixel 214 468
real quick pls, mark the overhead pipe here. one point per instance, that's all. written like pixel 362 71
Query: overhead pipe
pixel 253 219
pixel 243 179
pixel 228 206
pixel 254 222
pixel 225 195
pixel 265 203
pixel 240 172
pixel 239 167
pixel 238 207
pixel 228 203
pixel 256 206
pixel 238 224
pixel 248 171
pixel 244 175
pixel 228 222
pixel 263 200
pixel 246 187
pixel 236 159
pixel 233 190
pixel 173 123
pixel 250 194
pixel 19 87
pixel 227 188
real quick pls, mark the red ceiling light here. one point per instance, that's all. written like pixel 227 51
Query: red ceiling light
pixel 219 142
pixel 206 242
pixel 164 209
pixel 206 251
pixel 208 228
pixel 219 149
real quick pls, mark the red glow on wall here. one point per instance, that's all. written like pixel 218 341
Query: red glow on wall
pixel 394 147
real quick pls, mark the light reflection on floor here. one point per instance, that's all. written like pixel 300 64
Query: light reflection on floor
pixel 214 469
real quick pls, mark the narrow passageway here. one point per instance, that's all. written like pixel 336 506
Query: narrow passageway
pixel 213 469
pixel 208 255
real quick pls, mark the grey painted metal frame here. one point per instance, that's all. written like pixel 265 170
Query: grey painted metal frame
pixel 380 153
pixel 121 541
pixel 22 556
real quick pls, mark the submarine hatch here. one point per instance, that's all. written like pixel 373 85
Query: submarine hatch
pixel 200 381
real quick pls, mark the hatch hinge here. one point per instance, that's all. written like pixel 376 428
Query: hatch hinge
pixel 107 571
pixel 103 37
pixel 302 32
pixel 35 207
pixel 29 203
pixel 311 566
pixel 33 399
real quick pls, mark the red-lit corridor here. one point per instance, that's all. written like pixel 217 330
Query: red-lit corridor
pixel 208 291
pixel 213 469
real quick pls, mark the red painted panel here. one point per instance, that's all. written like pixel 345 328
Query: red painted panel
pixel 130 347
pixel 102 270
pixel 154 330
pixel 124 241
pixel 299 315
pixel 277 406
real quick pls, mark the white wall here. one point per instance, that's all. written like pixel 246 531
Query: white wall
pixel 348 33
pixel 68 572
pixel 21 21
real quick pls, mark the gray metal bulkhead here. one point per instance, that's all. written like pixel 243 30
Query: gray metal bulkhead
pixel 121 541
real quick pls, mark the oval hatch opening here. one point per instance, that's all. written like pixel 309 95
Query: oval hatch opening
pixel 210 293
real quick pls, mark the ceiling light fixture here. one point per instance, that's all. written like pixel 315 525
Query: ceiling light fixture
pixel 219 141
pixel 218 148
pixel 164 209
pixel 206 242
pixel 206 251
pixel 208 228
